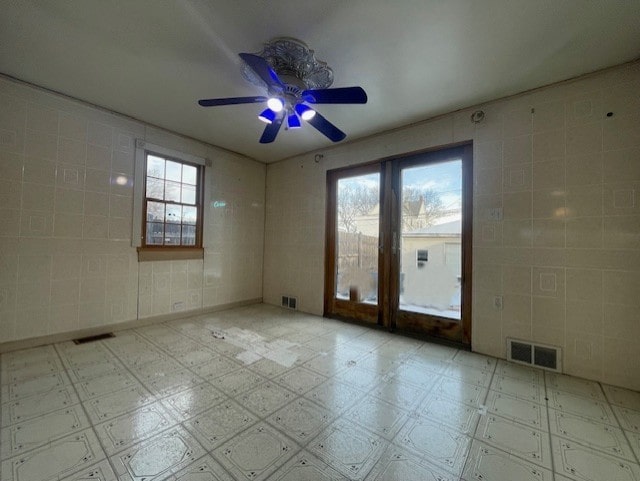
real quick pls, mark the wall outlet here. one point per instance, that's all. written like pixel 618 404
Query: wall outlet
pixel 178 306
pixel 497 302
pixel 495 214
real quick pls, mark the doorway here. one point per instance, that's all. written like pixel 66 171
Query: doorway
pixel 398 246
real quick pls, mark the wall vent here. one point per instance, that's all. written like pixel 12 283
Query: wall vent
pixel 99 337
pixel 289 302
pixel 539 355
pixel 521 352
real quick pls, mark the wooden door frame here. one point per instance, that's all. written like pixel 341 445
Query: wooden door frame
pixel 368 313
pixel 388 276
pixel 457 331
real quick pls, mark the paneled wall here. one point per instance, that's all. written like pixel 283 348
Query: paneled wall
pixel 566 254
pixel 66 261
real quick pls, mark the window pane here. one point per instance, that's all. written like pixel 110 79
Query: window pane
pixel 155 211
pixel 155 233
pixel 358 217
pixel 172 201
pixel 430 249
pixel 174 214
pixel 174 171
pixel 188 235
pixel 172 191
pixel 189 174
pixel 189 214
pixel 172 234
pixel 155 166
pixel 188 194
pixel 155 188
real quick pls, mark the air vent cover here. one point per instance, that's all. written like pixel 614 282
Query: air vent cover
pixel 523 352
pixel 545 357
pixel 289 302
pixel 99 337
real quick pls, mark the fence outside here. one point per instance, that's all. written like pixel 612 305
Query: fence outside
pixel 357 263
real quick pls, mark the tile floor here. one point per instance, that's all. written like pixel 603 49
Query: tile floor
pixel 262 393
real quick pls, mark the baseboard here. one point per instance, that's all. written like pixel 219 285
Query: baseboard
pixel 120 326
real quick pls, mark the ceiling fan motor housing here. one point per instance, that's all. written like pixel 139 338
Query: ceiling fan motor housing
pixel 295 63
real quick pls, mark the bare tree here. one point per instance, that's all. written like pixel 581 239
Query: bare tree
pixel 420 208
pixel 155 184
pixel 355 200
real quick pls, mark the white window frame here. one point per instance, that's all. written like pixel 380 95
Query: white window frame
pixel 142 149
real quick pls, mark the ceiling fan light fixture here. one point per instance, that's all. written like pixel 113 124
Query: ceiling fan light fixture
pixel 293 121
pixel 305 112
pixel 275 104
pixel 267 116
pixel 293 78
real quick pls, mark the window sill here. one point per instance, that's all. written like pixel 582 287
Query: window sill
pixel 148 254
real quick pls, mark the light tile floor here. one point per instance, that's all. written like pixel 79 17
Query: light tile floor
pixel 262 393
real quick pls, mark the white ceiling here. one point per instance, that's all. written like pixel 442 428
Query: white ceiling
pixel 154 59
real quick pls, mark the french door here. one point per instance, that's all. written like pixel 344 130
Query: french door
pixel 398 250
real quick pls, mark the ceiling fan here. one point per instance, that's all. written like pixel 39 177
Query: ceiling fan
pixel 293 78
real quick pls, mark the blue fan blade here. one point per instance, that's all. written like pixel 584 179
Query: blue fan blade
pixel 327 128
pixel 231 101
pixel 264 71
pixel 271 130
pixel 343 95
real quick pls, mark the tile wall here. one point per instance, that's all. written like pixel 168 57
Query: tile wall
pixel 66 261
pixel 565 257
pixel 566 254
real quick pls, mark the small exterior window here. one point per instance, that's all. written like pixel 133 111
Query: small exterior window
pixel 172 206
pixel 422 256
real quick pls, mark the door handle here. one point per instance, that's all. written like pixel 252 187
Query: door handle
pixel 394 242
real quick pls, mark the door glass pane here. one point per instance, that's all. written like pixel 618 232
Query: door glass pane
pixel 430 239
pixel 358 224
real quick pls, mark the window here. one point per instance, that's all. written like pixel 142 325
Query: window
pixel 169 208
pixel 422 256
pixel 172 202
